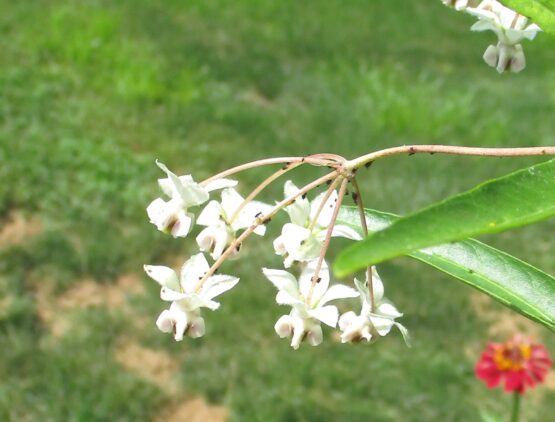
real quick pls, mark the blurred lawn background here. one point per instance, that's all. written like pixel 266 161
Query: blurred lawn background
pixel 92 92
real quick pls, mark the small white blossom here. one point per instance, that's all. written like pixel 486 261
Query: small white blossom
pixel 371 323
pixel 303 322
pixel 183 316
pixel 298 240
pixel 510 27
pixel 172 216
pixel 220 230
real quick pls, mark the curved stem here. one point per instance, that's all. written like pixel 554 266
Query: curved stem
pixel 262 220
pixel 448 149
pixel 357 197
pixel 260 187
pixel 315 160
pixel 326 243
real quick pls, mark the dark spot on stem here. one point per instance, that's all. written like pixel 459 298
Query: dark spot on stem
pixel 355 197
pixel 368 164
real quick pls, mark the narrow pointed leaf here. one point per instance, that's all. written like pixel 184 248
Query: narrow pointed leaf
pixel 507 279
pixel 541 12
pixel 520 198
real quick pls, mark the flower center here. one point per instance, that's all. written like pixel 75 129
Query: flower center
pixel 511 356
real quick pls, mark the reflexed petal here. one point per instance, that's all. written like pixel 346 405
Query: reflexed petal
pixel 189 191
pixel 377 285
pixel 404 333
pixel 211 214
pixel 381 324
pixel 284 298
pixel 338 291
pixel 216 285
pixel 345 231
pixel 320 287
pixel 231 200
pixel 170 295
pixel 220 184
pixel 192 271
pixel 327 314
pixel 483 25
pixel 300 209
pixel 387 309
pixel 283 280
pixel 164 276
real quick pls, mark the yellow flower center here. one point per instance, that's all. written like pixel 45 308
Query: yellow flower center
pixel 511 356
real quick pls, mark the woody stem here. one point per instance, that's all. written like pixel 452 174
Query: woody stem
pixel 448 149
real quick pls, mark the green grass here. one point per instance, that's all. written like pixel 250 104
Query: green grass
pixel 91 92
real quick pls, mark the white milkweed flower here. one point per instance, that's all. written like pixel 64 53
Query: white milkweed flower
pixel 220 229
pixel 371 323
pixel 510 27
pixel 303 322
pixel 298 240
pixel 183 316
pixel 172 216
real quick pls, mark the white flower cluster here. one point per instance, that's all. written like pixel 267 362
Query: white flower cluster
pixel 302 243
pixel 509 26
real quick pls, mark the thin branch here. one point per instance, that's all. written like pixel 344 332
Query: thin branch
pixel 330 190
pixel 326 244
pixel 357 197
pixel 449 149
pixel 315 160
pixel 262 220
pixel 260 187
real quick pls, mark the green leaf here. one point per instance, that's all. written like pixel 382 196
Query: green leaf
pixel 541 12
pixel 507 279
pixel 517 199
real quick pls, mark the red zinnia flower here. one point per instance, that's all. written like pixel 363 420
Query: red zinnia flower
pixel 519 361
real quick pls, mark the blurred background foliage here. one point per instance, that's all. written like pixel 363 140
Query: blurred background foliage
pixel 93 91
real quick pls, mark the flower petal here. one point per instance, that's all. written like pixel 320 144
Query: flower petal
pixel 211 214
pixel 326 214
pixel 216 285
pixel 283 280
pixel 340 230
pixel 321 283
pixel 299 210
pixel 192 271
pixel 327 314
pixel 188 190
pixel 164 276
pixel 220 184
pixel 338 291
pixel 284 298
